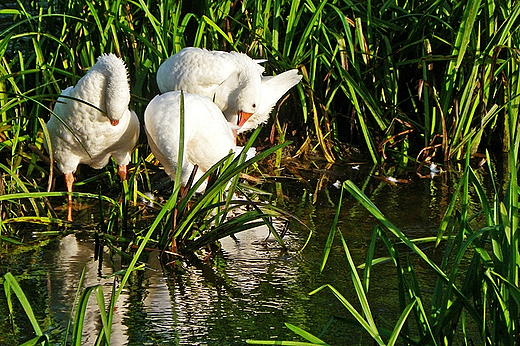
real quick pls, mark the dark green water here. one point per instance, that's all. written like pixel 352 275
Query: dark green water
pixel 252 288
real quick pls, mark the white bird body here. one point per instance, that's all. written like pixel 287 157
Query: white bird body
pixel 208 137
pixel 214 74
pixel 232 80
pixel 90 136
pixel 105 86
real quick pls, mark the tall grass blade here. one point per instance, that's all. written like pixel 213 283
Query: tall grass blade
pixel 77 331
pixel 359 318
pixel 360 292
pixel 400 323
pixel 307 336
pixel 10 283
pixel 332 233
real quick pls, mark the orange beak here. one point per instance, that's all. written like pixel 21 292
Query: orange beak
pixel 114 122
pixel 243 117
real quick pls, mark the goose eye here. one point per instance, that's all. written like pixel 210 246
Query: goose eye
pixel 254 105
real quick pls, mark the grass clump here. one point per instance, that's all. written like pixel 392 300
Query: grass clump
pixel 405 80
pixel 476 297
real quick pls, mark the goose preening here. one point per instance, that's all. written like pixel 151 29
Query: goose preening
pixel 208 137
pixel 234 81
pixel 90 135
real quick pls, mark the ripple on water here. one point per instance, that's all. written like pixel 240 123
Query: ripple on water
pixel 255 287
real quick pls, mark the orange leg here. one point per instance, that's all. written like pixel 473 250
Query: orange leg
pixel 122 172
pixel 69 180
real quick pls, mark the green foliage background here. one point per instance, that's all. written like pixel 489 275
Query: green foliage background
pixel 393 77
pixel 406 80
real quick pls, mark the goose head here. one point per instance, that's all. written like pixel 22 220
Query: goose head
pixel 248 99
pixel 117 99
pixel 117 89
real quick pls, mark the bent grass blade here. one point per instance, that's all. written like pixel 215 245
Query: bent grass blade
pixel 10 283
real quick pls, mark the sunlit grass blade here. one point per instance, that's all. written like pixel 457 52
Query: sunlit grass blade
pixel 332 233
pixel 374 333
pixel 359 288
pixel 37 220
pixel 77 331
pixel 400 323
pixel 41 340
pixel 16 196
pixel 10 284
pixel 313 340
pixel 286 343
pixel 307 336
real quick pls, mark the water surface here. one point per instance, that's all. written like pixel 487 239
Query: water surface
pixel 251 288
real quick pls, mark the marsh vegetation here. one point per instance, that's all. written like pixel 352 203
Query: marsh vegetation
pixel 397 84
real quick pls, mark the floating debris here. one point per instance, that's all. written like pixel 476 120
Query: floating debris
pixel 337 184
pixel 392 180
pixel 146 199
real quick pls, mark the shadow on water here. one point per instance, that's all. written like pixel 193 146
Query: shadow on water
pixel 252 286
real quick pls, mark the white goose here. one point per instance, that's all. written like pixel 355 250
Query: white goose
pixel 232 80
pixel 90 136
pixel 208 137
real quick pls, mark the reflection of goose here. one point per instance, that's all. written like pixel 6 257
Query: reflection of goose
pixel 64 261
pixel 90 135
pixel 207 135
pixel 233 80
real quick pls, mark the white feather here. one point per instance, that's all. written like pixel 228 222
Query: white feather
pixel 234 81
pixel 84 134
pixel 208 137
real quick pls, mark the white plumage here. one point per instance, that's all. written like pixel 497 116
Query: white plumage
pixel 208 137
pixel 85 134
pixel 232 80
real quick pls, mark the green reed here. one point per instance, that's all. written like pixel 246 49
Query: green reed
pixel 476 296
pixel 399 79
pixel 406 75
pixel 10 284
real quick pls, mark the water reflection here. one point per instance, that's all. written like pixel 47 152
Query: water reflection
pixel 150 312
pixel 253 286
pixel 65 261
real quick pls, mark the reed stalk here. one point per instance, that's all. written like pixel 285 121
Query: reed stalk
pixel 407 81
